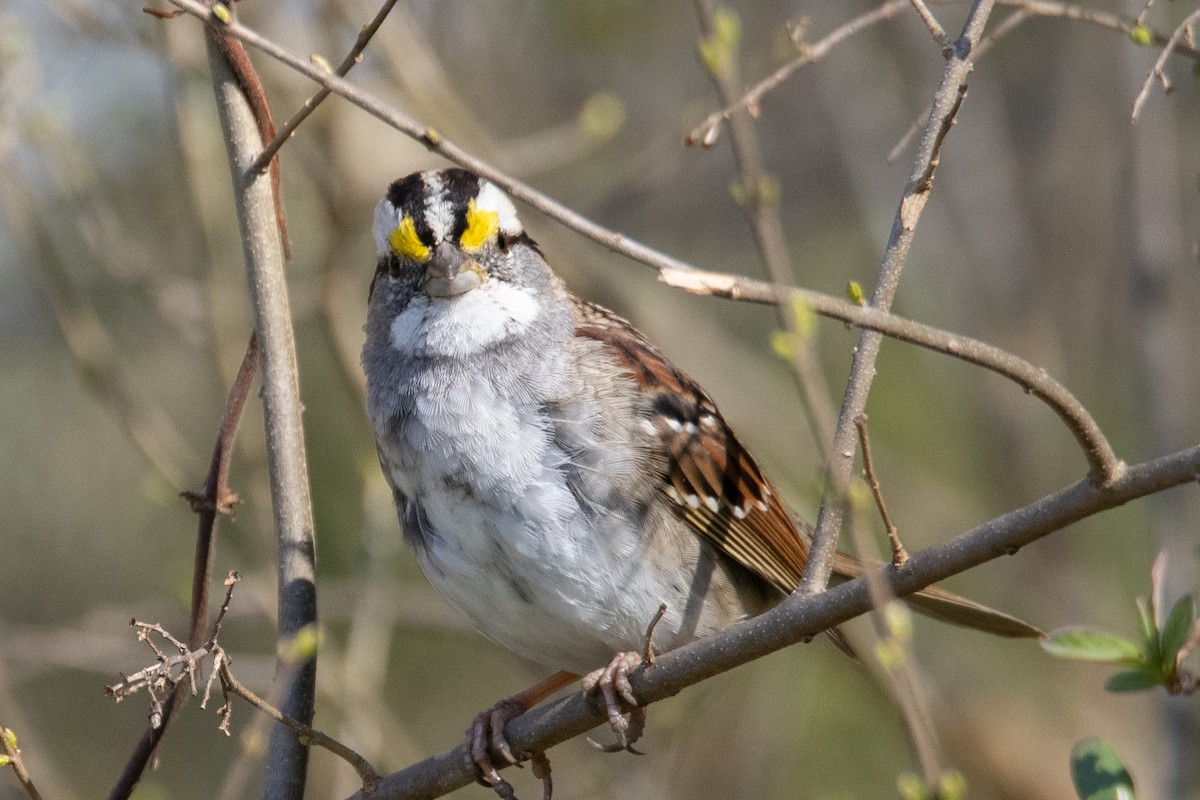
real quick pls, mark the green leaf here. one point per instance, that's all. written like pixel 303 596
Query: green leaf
pixel 1140 34
pixel 1086 644
pixel 953 786
pixel 717 51
pixel 1175 632
pixel 1151 643
pixel 602 116
pixel 854 291
pixel 1134 680
pixel 1098 773
pixel 911 787
pixel 805 318
pixel 783 344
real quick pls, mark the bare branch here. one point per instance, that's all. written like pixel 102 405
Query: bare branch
pixel 1102 461
pixel 1161 62
pixel 708 130
pixel 801 617
pixel 310 105
pixel 947 99
pixel 759 197
pixel 935 27
pixel 1007 26
pixel 1103 19
pixel 282 407
pixel 365 771
pixel 12 756
pixel 899 554
pixel 216 489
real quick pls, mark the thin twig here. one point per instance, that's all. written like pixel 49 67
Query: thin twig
pixel 1103 19
pixel 648 641
pixel 894 663
pixel 365 771
pixel 678 273
pixel 8 747
pixel 1042 8
pixel 899 554
pixel 803 616
pixel 1103 463
pixel 282 408
pixel 216 487
pixel 760 199
pixel 935 27
pixel 310 105
pixel 708 130
pixel 1161 62
pixel 1007 26
pixel 947 99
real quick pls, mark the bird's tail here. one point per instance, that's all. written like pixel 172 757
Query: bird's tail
pixel 947 606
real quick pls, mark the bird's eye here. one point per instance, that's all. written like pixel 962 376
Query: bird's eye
pixel 482 225
pixel 406 242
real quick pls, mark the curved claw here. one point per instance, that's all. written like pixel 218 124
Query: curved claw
pixel 612 684
pixel 487 730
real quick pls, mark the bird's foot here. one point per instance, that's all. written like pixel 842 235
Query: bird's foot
pixel 485 737
pixel 611 684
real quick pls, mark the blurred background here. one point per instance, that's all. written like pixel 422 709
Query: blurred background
pixel 1056 229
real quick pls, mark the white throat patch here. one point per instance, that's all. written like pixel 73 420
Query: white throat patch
pixel 465 325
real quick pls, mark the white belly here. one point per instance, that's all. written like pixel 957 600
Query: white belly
pixel 511 547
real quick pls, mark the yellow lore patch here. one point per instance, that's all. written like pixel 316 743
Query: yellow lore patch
pixel 406 242
pixel 481 226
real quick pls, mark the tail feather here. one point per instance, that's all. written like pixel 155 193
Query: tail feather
pixel 949 607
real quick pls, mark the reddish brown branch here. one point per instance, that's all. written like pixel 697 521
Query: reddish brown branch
pixel 247 79
pixel 216 490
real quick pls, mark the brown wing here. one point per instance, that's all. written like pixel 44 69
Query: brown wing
pixel 715 485
pixel 712 481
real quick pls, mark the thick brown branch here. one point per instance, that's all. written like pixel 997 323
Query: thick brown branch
pixel 801 617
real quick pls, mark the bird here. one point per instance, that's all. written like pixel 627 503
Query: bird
pixel 559 479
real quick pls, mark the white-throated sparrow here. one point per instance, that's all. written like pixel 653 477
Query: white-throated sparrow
pixel 557 476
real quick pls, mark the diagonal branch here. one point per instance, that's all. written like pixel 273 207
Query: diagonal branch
pixel 947 100
pixel 802 617
pixel 674 271
pixel 760 198
pixel 266 157
pixel 708 130
pixel 1161 62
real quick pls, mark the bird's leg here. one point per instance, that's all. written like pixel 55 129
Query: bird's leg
pixel 648 642
pixel 486 734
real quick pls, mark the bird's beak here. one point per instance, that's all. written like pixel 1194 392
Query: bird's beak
pixel 449 272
